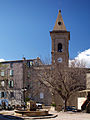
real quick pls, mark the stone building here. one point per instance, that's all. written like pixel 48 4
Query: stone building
pixel 12 79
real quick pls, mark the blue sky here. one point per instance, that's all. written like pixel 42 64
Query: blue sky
pixel 25 26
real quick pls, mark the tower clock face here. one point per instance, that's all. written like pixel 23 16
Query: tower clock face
pixel 59 60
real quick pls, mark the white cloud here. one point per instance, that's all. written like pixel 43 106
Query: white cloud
pixel 85 57
pixel 1 60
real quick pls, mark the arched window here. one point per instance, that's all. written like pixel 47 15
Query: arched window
pixel 59 47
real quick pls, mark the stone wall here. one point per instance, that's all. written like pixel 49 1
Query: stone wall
pixel 88 80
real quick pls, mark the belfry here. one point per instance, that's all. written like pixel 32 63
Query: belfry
pixel 60 41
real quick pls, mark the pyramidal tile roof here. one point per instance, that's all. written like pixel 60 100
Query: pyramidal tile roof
pixel 59 24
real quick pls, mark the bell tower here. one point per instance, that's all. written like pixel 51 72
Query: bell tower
pixel 60 40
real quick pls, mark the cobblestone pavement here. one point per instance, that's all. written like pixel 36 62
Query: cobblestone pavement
pixel 70 116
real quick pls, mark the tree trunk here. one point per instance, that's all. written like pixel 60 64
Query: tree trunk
pixel 65 105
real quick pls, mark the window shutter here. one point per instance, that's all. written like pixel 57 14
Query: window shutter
pixel 28 64
pixel 5 95
pixel 11 72
pixel 3 83
pixel 31 85
pixel 2 73
pixel 0 94
pixel 9 83
pixel 12 83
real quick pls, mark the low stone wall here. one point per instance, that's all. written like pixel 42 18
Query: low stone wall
pixel 31 113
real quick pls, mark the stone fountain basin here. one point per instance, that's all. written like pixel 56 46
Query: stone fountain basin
pixel 31 113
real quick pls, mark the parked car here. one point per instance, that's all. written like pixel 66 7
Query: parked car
pixel 9 107
pixel 39 105
pixel 71 108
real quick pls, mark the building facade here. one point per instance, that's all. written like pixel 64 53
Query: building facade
pixel 13 78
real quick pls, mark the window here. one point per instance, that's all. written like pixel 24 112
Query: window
pixel 2 94
pixel 2 73
pixel 39 83
pixel 11 94
pixel 28 74
pixel 28 86
pixel 36 63
pixel 11 65
pixel 59 47
pixel 31 85
pixel 30 63
pixel 41 95
pixel 10 83
pixel 11 72
pixel 2 83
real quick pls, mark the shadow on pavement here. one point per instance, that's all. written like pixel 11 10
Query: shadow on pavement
pixel 9 117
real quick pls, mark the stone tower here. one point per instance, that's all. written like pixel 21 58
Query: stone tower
pixel 60 41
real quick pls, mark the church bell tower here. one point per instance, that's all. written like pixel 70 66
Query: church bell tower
pixel 60 41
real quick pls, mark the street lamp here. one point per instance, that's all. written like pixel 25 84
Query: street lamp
pixel 24 90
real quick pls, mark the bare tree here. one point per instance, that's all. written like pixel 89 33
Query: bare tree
pixel 63 80
pixel 77 63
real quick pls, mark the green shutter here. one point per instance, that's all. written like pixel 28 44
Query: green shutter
pixel 0 94
pixel 12 84
pixel 9 83
pixel 5 95
pixel 11 72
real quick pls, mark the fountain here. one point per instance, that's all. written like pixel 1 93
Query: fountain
pixel 31 111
